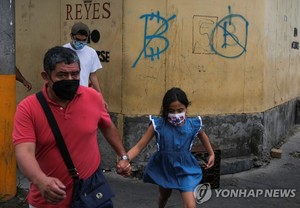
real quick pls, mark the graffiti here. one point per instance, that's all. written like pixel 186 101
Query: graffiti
pixel 235 34
pixel 202 27
pixel 154 42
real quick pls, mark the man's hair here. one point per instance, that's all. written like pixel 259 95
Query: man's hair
pixel 59 54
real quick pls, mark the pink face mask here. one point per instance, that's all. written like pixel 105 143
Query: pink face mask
pixel 176 119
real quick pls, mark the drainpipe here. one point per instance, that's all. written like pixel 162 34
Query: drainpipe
pixel 7 99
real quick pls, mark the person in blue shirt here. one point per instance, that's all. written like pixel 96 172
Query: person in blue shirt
pixel 173 166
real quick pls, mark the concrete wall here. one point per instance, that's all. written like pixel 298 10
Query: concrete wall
pixel 197 57
pixel 237 61
pixel 281 76
pixel 245 140
pixel 104 19
pixel 248 67
pixel 37 29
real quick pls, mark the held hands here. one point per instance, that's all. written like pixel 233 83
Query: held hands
pixel 124 168
pixel 52 189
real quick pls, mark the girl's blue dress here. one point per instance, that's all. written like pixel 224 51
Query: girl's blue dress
pixel 173 166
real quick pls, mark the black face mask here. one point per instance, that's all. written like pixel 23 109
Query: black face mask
pixel 65 89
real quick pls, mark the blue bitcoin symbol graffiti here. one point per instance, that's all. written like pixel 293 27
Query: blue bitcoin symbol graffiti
pixel 234 37
pixel 152 51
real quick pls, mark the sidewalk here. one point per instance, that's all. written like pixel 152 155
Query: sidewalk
pixel 281 176
pixel 275 185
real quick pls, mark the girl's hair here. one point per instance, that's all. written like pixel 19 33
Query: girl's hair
pixel 172 95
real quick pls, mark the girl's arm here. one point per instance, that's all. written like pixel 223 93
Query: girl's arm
pixel 136 149
pixel 206 143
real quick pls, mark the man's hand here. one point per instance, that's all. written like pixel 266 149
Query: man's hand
pixel 52 189
pixel 124 168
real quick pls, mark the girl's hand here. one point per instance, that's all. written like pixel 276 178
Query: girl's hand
pixel 124 168
pixel 210 162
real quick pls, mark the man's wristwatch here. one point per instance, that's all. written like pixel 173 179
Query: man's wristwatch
pixel 124 157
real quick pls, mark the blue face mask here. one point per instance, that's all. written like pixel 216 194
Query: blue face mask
pixel 78 45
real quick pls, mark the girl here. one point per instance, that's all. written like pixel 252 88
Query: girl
pixel 173 166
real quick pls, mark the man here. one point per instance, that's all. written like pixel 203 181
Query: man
pixel 89 60
pixel 37 154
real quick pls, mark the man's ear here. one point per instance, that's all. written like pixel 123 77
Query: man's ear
pixel 44 76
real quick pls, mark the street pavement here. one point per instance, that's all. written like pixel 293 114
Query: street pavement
pixel 274 185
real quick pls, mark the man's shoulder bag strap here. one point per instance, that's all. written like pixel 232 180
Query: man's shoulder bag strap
pixel 58 136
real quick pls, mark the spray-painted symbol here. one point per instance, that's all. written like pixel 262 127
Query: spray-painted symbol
pixel 235 34
pixel 154 44
pixel 202 27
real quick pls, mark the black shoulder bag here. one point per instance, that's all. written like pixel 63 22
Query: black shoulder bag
pixel 93 192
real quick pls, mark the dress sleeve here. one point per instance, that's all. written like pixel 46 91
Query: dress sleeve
pixel 197 125
pixel 156 122
pixel 157 125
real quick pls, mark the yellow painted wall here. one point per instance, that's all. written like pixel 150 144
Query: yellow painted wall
pixel 281 74
pixel 37 29
pixel 144 83
pixel 255 70
pixel 106 18
pixel 216 84
pixel 44 24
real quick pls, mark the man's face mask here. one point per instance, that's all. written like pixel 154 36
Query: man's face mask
pixel 176 119
pixel 78 45
pixel 65 89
